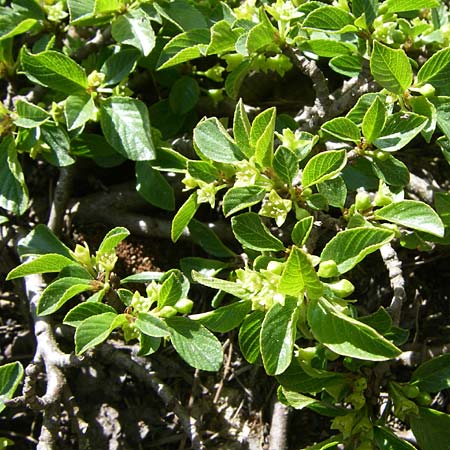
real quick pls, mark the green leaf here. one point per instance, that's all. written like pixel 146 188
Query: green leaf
pixel 213 142
pixel 348 65
pixel 148 345
pixel 249 335
pixel 442 205
pixel 431 429
pixel 13 190
pixel 391 68
pixel 238 198
pixel 126 126
pixel 171 291
pixel 112 239
pixel 142 277
pixel 229 287
pixel 391 170
pixel 95 329
pixel 151 325
pixel 323 166
pixel 119 65
pixel 184 95
pixel 330 18
pixel 184 47
pixel 433 375
pixel 59 142
pixel 195 344
pixel 40 241
pixel 223 38
pixel 59 292
pixel 423 107
pixel 387 440
pixel 184 216
pixel 84 310
pixel 301 230
pixel 326 47
pixel 412 214
pixel 367 7
pixel 299 276
pixel 343 129
pixel 262 135
pixel 225 318
pixel 329 443
pixel 394 6
pixel 241 130
pixel 80 8
pixel 297 400
pixel 153 187
pixel 208 240
pixel 30 115
pixel 349 247
pixel 347 336
pixel 285 164
pixel 436 72
pixel 374 120
pixel 78 109
pixel 252 233
pixel 51 262
pixel 134 28
pixel 399 130
pixel 10 377
pixel 235 79
pixel 182 13
pixel 54 70
pixel 335 191
pixel 278 334
pixel 205 266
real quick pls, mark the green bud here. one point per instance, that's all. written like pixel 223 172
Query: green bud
pixel 307 192
pixel 382 156
pixel 306 354
pixel 184 305
pixel 275 267
pixel 424 399
pixel 410 390
pixel 382 199
pixel 342 288
pixel 427 90
pixel 167 311
pixel 328 269
pixel 362 201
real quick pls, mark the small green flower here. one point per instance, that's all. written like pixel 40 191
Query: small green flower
pixel 276 207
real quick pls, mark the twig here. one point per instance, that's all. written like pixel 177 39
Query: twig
pixel 394 267
pixel 100 39
pixel 141 369
pixel 279 426
pixel 422 189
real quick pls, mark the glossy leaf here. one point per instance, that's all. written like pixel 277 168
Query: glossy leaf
pixel 394 6
pixel 238 198
pixel 327 18
pixel 84 310
pixel 323 166
pixel 78 110
pixel 184 95
pixel 183 217
pixel 301 230
pixel 252 233
pixel 433 375
pixel 374 120
pixel 261 136
pixel 436 72
pixel 387 440
pixel 112 239
pixel 347 336
pixel 391 170
pixel 229 287
pixel 151 325
pixel 10 376
pixel 431 429
pixel 241 129
pixel 343 129
pixel 51 262
pixel 285 164
pixel 412 214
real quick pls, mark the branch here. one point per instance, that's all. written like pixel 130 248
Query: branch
pixel 394 267
pixel 141 369
pixel 279 426
pixel 100 39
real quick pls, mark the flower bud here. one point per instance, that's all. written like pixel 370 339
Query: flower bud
pixel 342 288
pixel 167 311
pixel 184 305
pixel 427 90
pixel 328 269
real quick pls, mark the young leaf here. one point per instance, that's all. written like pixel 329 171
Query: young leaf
pixel 260 36
pixel 278 334
pixel 436 72
pixel 183 217
pixel 399 130
pixel 84 310
pixel 142 277
pixel 126 126
pixel 431 429
pixel 59 292
pixel 394 6
pixel 195 344
pixel 334 190
pixel 112 239
pixel 241 130
pixel 153 187
pixel 229 287
pixel 323 166
pixel 252 233
pixel 347 336
pixel 151 325
pixel 238 198
pixel 285 164
pixel 343 129
pixel 30 115
pixel 262 135
pixel 14 192
pixel 225 318
pixel 234 81
pixel 223 38
pixel 95 329
pixel 351 246
pixel 301 230
pixel 299 276
pixel 51 262
pixel 391 68
pixel 10 376
pixel 171 291
pixel 374 120
pixel 412 214
pixel 134 28
pixel 78 109
pixel 213 142
pixel 249 335
pixel 433 375
pixel 54 70
pixel 329 18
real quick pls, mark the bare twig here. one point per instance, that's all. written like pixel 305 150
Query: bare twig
pixel 279 426
pixel 394 267
pixel 142 370
pixel 100 39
